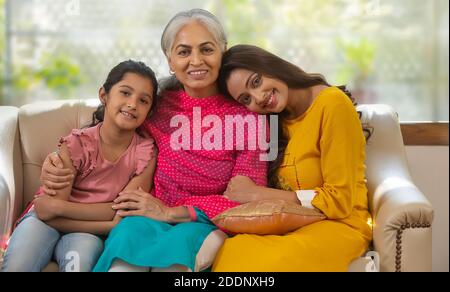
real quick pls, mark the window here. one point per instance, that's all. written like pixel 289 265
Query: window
pixel 393 52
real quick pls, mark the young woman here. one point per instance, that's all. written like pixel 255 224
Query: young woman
pixel 320 165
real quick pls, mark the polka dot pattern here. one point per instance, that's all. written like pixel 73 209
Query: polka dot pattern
pixel 199 177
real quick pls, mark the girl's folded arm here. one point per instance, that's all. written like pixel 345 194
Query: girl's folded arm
pixel 97 218
pixel 101 211
pixel 94 227
pixel 86 212
pixel 78 211
pixel 51 207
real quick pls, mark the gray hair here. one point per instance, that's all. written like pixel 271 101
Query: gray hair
pixel 211 23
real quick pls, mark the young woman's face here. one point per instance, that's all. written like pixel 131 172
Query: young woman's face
pixel 259 93
pixel 195 58
pixel 128 102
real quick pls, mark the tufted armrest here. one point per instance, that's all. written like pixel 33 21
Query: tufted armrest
pixel 10 169
pixel 401 213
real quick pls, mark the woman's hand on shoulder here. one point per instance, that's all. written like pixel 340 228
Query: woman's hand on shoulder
pixel 53 175
pixel 241 189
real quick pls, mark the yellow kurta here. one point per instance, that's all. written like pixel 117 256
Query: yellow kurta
pixel 326 153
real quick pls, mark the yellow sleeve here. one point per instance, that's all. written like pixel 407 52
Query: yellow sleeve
pixel 342 152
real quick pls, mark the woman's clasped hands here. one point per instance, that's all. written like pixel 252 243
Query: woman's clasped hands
pixel 140 203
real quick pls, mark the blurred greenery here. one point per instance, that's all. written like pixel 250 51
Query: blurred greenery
pixel 249 20
pixel 358 61
pixel 2 49
pixel 57 73
pixel 386 49
pixel 60 74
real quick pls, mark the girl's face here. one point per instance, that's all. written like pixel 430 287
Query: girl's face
pixel 128 102
pixel 259 93
pixel 195 58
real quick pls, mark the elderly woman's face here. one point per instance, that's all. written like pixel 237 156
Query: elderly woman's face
pixel 195 58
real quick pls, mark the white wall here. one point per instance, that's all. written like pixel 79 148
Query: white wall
pixel 429 169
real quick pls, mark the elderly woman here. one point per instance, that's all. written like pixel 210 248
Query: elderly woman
pixel 168 227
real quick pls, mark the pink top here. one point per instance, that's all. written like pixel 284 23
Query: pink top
pixel 99 180
pixel 199 177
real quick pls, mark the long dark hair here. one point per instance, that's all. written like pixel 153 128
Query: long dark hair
pixel 116 75
pixel 258 60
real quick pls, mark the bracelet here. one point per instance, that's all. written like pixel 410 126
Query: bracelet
pixel 305 197
pixel 192 213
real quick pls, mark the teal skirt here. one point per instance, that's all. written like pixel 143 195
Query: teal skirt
pixel 145 242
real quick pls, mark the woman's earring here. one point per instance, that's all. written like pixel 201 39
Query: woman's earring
pixel 171 72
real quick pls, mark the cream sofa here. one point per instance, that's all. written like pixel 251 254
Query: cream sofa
pixel 402 215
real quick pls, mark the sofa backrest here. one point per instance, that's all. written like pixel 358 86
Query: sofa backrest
pixel 41 126
pixel 385 151
pixel 43 123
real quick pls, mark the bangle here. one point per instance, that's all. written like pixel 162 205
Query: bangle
pixel 192 213
pixel 305 197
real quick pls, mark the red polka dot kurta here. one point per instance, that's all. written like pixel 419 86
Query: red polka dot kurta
pixel 197 176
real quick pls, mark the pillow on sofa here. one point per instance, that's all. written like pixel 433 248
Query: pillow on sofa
pixel 267 217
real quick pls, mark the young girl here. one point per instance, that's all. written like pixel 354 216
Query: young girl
pixel 107 158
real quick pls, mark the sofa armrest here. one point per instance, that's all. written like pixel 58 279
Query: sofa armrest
pixel 402 226
pixel 10 169
pixel 401 213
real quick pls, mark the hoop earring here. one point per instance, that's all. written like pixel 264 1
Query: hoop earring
pixel 171 72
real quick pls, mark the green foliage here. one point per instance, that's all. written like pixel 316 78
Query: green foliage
pixel 358 60
pixel 57 73
pixel 2 48
pixel 248 21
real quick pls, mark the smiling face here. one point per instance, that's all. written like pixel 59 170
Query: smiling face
pixel 259 93
pixel 128 102
pixel 195 58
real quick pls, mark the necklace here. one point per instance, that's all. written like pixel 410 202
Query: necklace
pixel 109 151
